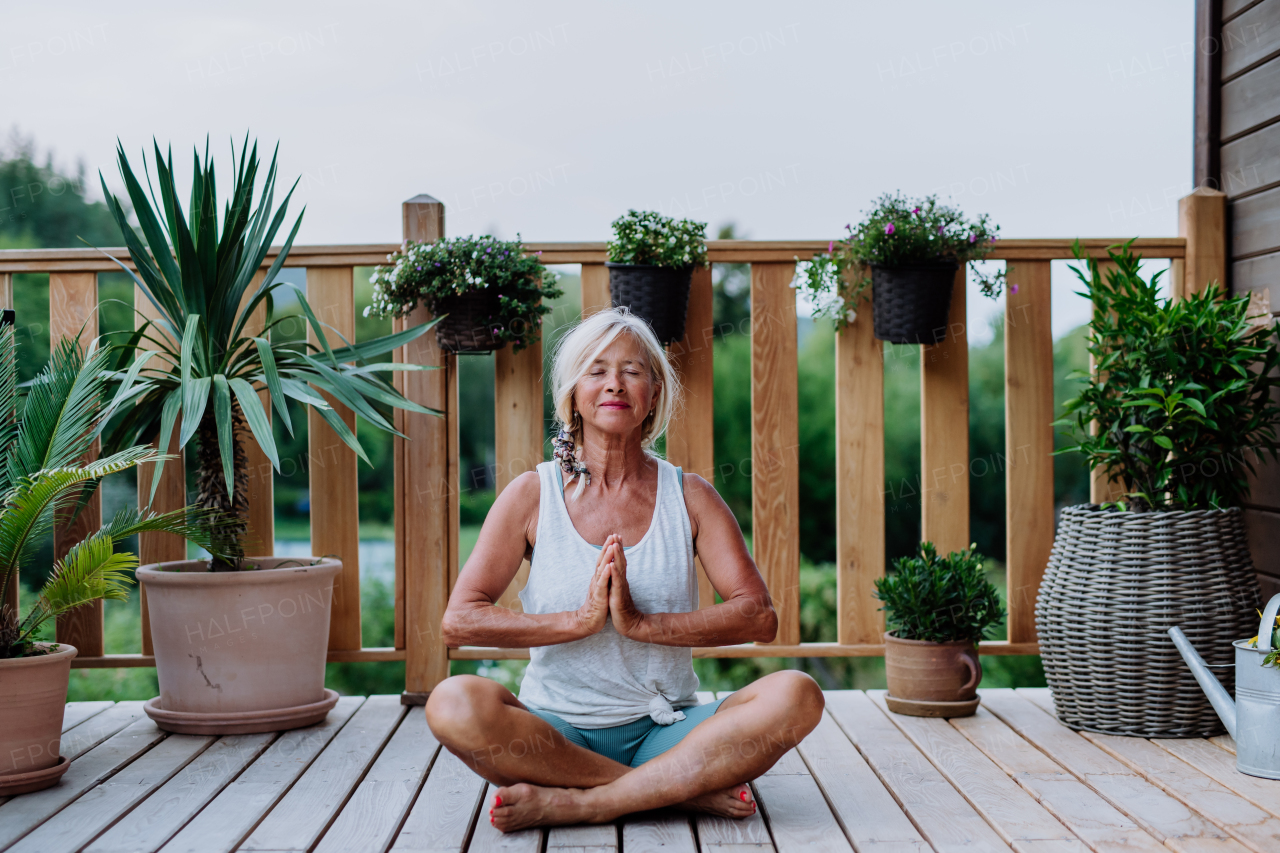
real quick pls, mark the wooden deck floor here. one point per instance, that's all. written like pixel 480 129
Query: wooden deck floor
pixel 371 778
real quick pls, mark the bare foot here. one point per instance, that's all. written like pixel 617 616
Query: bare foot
pixel 734 802
pixel 522 806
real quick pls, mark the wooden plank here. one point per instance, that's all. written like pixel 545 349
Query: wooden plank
pixel 584 838
pixel 866 811
pixel 775 442
pixel 1089 816
pixel 752 650
pixel 1251 163
pixel 1226 742
pixel 1010 810
pixel 691 433
pixel 100 806
pixel 76 713
pixel 486 838
pixel 1202 219
pixel 944 431
pixel 73 313
pixel 1041 697
pixel 175 802
pixel 941 814
pixel 96 729
pixel 860 543
pixel 304 813
pixel 22 814
pixel 423 536
pixel 232 815
pixel 790 764
pixel 332 466
pixel 1028 413
pixel 665 833
pixel 1250 100
pixel 595 286
pixel 260 535
pixel 1219 765
pixel 518 430
pixel 447 808
pixel 371 818
pixel 798 816
pixel 1255 224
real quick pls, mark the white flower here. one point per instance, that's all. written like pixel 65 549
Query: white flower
pixel 850 315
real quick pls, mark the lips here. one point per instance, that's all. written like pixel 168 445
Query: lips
pixel 614 406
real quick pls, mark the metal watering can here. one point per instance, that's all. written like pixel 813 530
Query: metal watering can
pixel 1253 719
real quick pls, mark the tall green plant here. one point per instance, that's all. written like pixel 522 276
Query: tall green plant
pixel 1181 394
pixel 42 477
pixel 197 269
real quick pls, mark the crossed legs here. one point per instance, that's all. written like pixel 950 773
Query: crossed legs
pixel 545 780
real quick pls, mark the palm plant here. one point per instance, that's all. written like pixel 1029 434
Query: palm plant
pixel 42 477
pixel 204 362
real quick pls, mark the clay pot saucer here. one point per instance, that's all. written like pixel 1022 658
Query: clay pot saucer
pixel 927 708
pixel 241 722
pixel 25 783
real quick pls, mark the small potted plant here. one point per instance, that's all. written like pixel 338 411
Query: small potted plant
pixel 42 474
pixel 651 261
pixel 912 248
pixel 1179 408
pixel 240 642
pixel 489 291
pixel 937 609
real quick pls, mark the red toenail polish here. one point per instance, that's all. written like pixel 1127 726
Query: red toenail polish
pixel 744 796
pixel 497 799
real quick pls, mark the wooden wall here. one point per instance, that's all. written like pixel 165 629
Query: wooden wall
pixel 1238 151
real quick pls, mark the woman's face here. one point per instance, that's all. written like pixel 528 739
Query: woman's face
pixel 619 390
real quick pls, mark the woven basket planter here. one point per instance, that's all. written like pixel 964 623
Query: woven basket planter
pixel 658 295
pixel 469 326
pixel 911 304
pixel 1116 581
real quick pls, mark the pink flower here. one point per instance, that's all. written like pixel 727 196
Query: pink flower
pixel 993 238
pixel 941 229
pixel 1013 288
pixel 888 229
pixel 831 245
pixel 915 210
pixel 973 238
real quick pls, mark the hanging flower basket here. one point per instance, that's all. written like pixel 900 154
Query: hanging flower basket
pixel 471 323
pixel 911 303
pixel 658 295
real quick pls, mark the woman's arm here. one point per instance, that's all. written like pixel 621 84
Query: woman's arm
pixel 747 611
pixel 473 619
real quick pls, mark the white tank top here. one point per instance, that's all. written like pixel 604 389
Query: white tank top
pixel 607 679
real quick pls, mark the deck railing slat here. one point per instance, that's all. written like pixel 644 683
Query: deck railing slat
pixel 860 535
pixel 1028 465
pixel 517 430
pixel 334 477
pixel 944 431
pixel 595 287
pixel 775 479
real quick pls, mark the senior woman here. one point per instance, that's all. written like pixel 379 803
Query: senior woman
pixel 607 722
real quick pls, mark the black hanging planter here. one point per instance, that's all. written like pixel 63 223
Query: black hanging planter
pixel 658 295
pixel 469 326
pixel 912 303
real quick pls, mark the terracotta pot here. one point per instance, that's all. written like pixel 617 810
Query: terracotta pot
pixel 239 643
pixel 33 694
pixel 931 672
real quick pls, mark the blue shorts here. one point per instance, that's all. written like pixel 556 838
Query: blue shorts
pixel 633 743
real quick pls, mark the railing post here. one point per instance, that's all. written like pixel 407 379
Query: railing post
pixel 1202 220
pixel 426 485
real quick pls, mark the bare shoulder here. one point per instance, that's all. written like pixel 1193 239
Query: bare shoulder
pixel 703 502
pixel 517 506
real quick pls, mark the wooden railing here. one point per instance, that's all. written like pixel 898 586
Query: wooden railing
pixel 426 467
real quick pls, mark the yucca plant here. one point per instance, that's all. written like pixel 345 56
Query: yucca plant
pixel 197 269
pixel 42 477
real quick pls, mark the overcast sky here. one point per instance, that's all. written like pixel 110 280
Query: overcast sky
pixel 550 119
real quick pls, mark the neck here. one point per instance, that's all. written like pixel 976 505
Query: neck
pixel 612 458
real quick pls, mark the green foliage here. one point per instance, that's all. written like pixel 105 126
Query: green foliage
pixel 44 206
pixel 651 238
pixel 197 269
pixel 939 599
pixel 429 272
pixel 896 232
pixel 1183 391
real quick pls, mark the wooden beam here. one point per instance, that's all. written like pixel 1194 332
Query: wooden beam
pixel 1028 412
pixel 1206 144
pixel 691 433
pixel 1202 220
pixel 775 442
pixel 424 485
pixel 860 534
pixel 73 312
pixel 517 430
pixel 332 466
pixel 171 493
pixel 944 431
pixel 595 288
pixel 761 650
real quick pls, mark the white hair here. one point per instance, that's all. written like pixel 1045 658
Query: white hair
pixel 577 350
